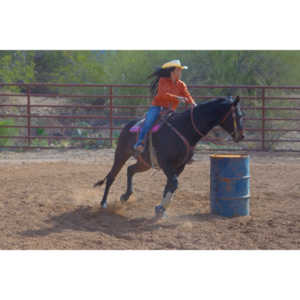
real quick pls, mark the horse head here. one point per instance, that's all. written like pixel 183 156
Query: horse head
pixel 232 122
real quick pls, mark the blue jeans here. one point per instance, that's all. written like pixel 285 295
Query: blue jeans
pixel 151 117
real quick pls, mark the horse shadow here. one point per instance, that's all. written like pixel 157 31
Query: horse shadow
pixel 89 219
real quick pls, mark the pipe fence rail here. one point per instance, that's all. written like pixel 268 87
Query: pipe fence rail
pixel 94 119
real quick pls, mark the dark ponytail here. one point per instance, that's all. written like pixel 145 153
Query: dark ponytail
pixel 160 72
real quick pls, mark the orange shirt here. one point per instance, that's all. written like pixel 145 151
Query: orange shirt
pixel 167 92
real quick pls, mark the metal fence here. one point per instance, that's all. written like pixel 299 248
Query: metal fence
pixel 93 119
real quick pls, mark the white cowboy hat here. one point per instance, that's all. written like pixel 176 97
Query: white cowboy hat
pixel 173 63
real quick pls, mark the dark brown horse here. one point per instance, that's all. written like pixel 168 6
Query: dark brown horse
pixel 173 144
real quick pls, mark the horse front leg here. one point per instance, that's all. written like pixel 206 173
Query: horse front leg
pixel 170 188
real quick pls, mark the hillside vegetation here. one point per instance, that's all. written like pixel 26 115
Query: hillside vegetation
pixel 133 67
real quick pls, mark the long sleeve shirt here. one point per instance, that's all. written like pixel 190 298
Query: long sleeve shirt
pixel 168 91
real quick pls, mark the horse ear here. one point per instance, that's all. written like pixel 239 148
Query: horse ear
pixel 236 100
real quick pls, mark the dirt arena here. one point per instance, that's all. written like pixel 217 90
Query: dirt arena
pixel 47 202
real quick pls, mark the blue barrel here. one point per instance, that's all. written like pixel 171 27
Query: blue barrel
pixel 230 185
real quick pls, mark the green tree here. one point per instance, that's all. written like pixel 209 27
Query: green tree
pixel 16 66
pixel 68 67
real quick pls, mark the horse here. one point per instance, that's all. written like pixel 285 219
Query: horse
pixel 174 143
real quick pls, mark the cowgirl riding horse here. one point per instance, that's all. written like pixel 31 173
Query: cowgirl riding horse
pixel 176 138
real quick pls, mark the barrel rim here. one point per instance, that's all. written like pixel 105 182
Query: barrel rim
pixel 229 155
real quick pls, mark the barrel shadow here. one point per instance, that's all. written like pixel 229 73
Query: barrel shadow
pixel 197 217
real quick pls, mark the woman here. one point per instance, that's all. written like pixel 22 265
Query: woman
pixel 168 90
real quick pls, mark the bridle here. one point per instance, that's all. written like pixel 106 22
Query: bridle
pixel 233 114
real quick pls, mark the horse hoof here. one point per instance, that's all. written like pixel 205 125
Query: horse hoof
pixel 160 211
pixel 124 198
pixel 104 205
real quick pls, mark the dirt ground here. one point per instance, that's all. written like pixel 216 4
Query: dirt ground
pixel 47 202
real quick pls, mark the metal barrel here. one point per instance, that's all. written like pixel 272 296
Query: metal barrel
pixel 230 185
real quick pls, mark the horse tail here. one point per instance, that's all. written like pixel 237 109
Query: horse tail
pixel 100 182
pixel 122 154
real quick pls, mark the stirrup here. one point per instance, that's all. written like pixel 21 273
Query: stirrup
pixel 140 148
pixel 138 151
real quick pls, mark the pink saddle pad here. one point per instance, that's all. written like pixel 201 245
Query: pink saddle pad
pixel 138 125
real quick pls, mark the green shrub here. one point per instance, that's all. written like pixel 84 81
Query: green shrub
pixel 39 143
pixel 8 132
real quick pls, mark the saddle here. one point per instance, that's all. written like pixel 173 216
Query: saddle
pixel 163 117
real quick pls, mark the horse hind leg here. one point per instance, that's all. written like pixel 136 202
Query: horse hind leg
pixel 120 160
pixel 131 170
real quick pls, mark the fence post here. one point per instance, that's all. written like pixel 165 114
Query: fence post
pixel 110 114
pixel 28 117
pixel 263 119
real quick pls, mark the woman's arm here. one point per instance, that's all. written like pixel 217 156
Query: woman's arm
pixel 186 94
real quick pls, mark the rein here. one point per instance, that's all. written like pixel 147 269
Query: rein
pixel 193 122
pixel 196 129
